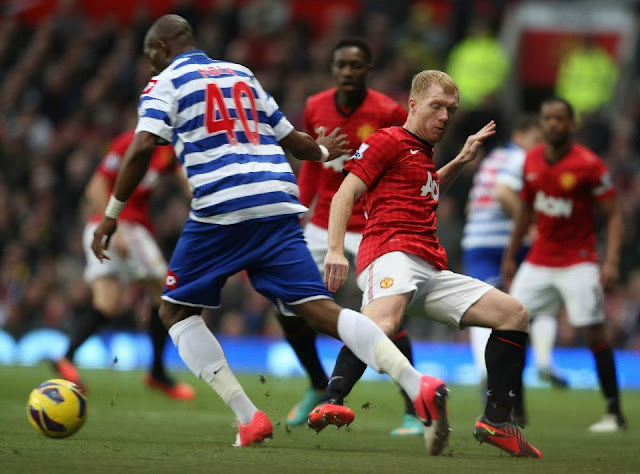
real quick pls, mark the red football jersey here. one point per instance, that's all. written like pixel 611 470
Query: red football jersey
pixel 137 208
pixel 563 195
pixel 401 199
pixel 323 179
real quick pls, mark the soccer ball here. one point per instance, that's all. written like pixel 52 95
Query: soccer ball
pixel 57 408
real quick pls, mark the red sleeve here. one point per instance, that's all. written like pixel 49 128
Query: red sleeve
pixel 110 164
pixel 376 154
pixel 308 180
pixel 601 182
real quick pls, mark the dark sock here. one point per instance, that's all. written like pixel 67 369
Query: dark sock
pixel 346 373
pixel 349 370
pixel 302 339
pixel 504 356
pixel 84 328
pixel 158 333
pixel 402 342
pixel 606 367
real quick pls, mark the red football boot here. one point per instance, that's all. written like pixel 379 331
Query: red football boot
pixel 177 391
pixel 505 436
pixel 255 432
pixel 330 414
pixel 431 409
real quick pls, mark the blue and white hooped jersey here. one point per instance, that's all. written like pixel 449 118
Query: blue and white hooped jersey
pixel 225 130
pixel 487 225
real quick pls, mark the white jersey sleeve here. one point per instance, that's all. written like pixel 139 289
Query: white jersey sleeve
pixel 510 171
pixel 157 108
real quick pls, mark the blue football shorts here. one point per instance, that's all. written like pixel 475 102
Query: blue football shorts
pixel 273 252
pixel 484 263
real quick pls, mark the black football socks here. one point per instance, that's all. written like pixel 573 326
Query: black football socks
pixel 302 339
pixel 85 327
pixel 505 356
pixel 606 368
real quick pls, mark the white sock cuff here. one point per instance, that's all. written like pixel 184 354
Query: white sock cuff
pixel 225 383
pixel 360 334
pixel 389 358
pixel 178 328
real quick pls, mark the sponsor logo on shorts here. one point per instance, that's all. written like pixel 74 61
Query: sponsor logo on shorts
pixel 171 280
pixel 386 283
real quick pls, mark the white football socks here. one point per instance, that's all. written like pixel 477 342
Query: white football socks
pixel 478 337
pixel 367 341
pixel 203 354
pixel 543 337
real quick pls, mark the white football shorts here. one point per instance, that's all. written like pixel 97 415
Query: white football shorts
pixel 542 290
pixel 143 262
pixel 447 295
pixel 318 242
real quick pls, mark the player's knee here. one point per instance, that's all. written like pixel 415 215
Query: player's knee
pixel 321 315
pixel 109 309
pixel 519 317
pixel 292 324
pixel 171 314
pixel 388 326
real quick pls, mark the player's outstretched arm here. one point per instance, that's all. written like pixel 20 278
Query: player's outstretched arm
pixel 609 272
pixel 304 147
pixel 523 219
pixel 448 173
pixel 336 266
pixel 508 199
pixel 134 166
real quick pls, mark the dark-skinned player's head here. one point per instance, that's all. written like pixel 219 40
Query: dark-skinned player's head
pixel 557 120
pixel 168 37
pixel 350 65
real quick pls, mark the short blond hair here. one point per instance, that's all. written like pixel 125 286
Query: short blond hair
pixel 425 79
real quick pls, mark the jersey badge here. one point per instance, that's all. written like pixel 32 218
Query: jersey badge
pixel 386 283
pixel 171 280
pixel 364 131
pixel 150 85
pixel 568 181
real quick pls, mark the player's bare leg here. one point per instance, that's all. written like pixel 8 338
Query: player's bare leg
pixel 106 294
pixel 157 376
pixel 302 339
pixel 543 337
pixel 365 337
pixel 505 356
pixel 606 367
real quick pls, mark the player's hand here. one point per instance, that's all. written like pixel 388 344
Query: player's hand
pixel 102 237
pixel 336 143
pixel 508 271
pixel 608 275
pixel 336 268
pixel 470 149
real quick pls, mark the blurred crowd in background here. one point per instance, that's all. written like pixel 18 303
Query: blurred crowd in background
pixel 70 80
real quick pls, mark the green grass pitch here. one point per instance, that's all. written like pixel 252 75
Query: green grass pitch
pixel 131 428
